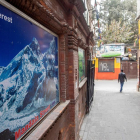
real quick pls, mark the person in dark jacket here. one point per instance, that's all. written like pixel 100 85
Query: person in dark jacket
pixel 121 78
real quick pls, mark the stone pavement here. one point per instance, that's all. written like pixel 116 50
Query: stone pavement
pixel 113 115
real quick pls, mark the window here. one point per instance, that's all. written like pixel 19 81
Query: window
pixel 81 55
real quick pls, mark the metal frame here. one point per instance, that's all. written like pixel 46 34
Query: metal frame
pixel 90 84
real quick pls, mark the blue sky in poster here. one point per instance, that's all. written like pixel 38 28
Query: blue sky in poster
pixel 16 35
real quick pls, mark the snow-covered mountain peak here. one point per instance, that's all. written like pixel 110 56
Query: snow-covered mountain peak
pixel 35 46
pixel 28 84
pixel 35 41
pixel 1 69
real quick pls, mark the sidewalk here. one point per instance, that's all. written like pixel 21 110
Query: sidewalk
pixel 114 115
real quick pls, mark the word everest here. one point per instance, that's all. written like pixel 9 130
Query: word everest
pixel 4 17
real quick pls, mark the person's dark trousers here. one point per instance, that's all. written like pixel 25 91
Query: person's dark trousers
pixel 121 86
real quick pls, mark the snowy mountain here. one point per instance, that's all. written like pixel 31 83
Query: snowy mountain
pixel 28 84
pixel 1 69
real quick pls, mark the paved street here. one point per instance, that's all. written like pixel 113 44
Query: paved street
pixel 114 115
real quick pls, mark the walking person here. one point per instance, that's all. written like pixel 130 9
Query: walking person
pixel 121 78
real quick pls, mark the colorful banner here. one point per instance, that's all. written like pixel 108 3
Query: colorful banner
pixel 111 50
pixel 29 82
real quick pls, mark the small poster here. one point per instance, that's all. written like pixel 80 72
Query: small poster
pixel 81 56
pixel 106 65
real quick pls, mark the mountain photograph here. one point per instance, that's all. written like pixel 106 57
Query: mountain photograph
pixel 29 82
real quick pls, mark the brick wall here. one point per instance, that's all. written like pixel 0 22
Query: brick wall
pixel 82 103
pixel 138 68
pixel 73 91
pixel 65 18
pixel 61 129
pixel 62 66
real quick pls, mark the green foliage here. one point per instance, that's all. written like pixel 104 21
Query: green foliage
pixel 117 32
pixel 122 12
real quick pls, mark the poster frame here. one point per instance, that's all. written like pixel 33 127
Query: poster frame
pixel 26 17
pixel 85 64
pixel 110 59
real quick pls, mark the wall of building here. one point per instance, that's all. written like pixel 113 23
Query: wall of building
pixel 54 126
pixel 82 103
pixel 61 129
pixel 130 69
pixel 138 69
pixel 107 75
pixel 64 18
pixel 138 52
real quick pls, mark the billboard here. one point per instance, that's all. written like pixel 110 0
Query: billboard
pixel 113 50
pixel 29 82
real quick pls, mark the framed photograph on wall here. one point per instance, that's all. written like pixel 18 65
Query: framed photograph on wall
pixel 81 56
pixel 29 73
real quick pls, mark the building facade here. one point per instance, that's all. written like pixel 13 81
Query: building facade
pixel 68 25
pixel 138 53
pixel 107 68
